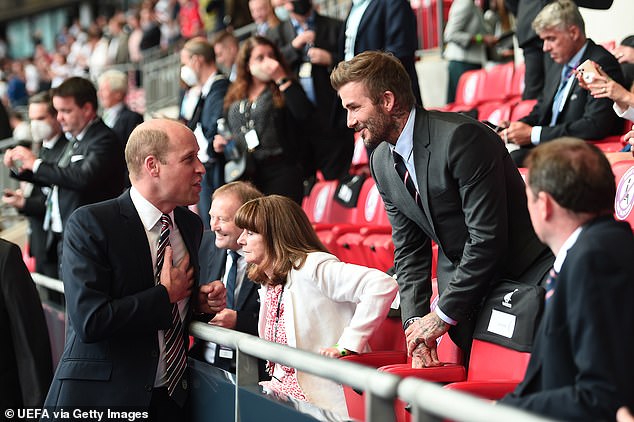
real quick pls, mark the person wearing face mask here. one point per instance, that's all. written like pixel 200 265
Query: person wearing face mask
pixel 199 68
pixel 31 199
pixel 267 112
pixel 309 42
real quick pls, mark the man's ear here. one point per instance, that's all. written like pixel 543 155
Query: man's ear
pixel 388 101
pixel 151 164
pixel 546 205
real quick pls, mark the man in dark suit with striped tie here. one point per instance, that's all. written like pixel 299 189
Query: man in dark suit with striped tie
pixel 130 271
pixel 581 365
pixel 221 259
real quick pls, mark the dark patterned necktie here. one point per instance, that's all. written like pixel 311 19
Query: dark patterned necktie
pixel 231 279
pixel 551 283
pixel 175 355
pixel 403 173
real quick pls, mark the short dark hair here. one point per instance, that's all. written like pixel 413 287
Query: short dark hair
pixel 81 89
pixel 44 97
pixel 379 72
pixel 199 46
pixel 575 173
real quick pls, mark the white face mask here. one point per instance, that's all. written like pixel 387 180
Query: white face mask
pixel 41 130
pixel 258 73
pixel 189 76
pixel 282 13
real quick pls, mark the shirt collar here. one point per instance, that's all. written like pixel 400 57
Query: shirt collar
pixel 405 142
pixel 148 213
pixel 81 134
pixel 50 143
pixel 576 59
pixel 563 251
pixel 208 83
pixel 115 109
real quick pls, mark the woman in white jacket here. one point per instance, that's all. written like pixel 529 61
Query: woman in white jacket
pixel 309 299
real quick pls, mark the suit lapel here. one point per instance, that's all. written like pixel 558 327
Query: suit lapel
pixel 131 225
pixel 422 155
pixel 364 24
pixel 245 290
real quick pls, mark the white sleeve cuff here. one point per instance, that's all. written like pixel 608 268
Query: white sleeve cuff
pixel 36 164
pixel 444 316
pixel 536 133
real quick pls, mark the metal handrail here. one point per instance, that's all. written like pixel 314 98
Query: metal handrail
pixel 429 401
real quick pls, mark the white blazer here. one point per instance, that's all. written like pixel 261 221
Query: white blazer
pixel 328 302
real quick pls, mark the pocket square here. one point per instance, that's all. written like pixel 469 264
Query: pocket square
pixel 76 158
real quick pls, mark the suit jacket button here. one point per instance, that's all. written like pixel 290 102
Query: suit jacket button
pixel 148 388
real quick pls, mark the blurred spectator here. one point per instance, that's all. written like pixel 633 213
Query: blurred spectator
pixel 151 37
pixel 21 128
pixel 91 169
pixel 237 13
pixel 60 70
pixel 199 68
pixel 226 49
pixel 266 112
pixel 5 125
pixel 309 299
pixel 118 41
pixel 27 365
pixel 263 16
pixel 309 42
pixel 564 108
pixel 31 199
pixel 191 25
pixel 466 42
pixel 534 58
pixel 624 53
pixel 386 25
pixel 16 85
pixel 112 88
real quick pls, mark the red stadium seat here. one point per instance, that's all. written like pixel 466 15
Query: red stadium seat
pixel 498 82
pixel 517 84
pixel 359 157
pixel 469 91
pixel 624 200
pixel 493 370
pixel 522 109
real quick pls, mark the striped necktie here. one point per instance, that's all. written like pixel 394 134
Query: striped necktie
pixel 403 173
pixel 560 96
pixel 551 283
pixel 175 355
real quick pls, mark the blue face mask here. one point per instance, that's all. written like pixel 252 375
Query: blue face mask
pixel 282 13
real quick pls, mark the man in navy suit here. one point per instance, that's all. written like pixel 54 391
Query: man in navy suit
pixel 386 25
pixel 564 108
pixel 199 68
pixel 581 365
pixel 120 306
pixel 219 254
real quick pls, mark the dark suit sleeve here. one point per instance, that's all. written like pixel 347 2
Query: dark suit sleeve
pixel 27 326
pixel 412 252
pixel 34 206
pixel 400 29
pixel 483 196
pixel 212 110
pixel 297 103
pixel 597 301
pixel 96 312
pixel 598 119
pixel 95 168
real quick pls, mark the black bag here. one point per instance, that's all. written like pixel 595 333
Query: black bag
pixel 510 315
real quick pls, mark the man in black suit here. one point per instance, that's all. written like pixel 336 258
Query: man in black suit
pixel 310 43
pixel 31 200
pixel 92 166
pixel 128 303
pixel 26 363
pixel 534 58
pixel 444 177
pixel 112 88
pixel 221 258
pixel 564 108
pixel 581 364
pixel 199 68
